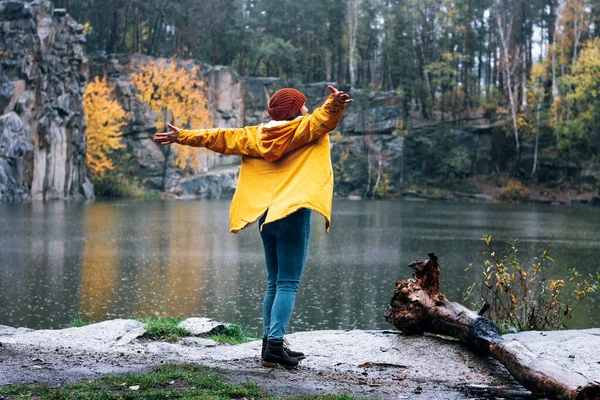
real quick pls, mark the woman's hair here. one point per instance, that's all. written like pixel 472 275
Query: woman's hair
pixel 298 114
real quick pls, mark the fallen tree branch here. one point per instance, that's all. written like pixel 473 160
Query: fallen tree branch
pixel 418 306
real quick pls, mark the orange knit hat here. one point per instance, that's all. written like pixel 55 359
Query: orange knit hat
pixel 285 103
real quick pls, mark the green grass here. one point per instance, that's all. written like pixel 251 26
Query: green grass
pixel 164 328
pixel 151 196
pixel 78 322
pixel 169 381
pixel 233 334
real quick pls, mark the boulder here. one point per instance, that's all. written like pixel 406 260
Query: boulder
pixel 203 326
pixel 219 184
pixel 102 336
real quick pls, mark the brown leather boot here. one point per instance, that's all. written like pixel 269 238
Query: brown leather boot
pixel 296 354
pixel 275 354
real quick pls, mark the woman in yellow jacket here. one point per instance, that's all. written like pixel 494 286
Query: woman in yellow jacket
pixel 286 172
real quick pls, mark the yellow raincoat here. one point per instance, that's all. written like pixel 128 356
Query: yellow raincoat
pixel 286 165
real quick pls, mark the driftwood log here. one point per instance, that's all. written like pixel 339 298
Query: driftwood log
pixel 418 307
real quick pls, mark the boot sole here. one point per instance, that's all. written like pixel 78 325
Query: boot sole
pixel 299 358
pixel 267 364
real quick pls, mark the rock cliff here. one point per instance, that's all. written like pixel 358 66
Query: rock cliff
pixel 235 102
pixel 42 122
pixel 230 103
pixel 43 73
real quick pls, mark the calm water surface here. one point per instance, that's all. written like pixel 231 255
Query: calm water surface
pixel 132 258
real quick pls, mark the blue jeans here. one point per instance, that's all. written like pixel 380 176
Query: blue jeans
pixel 286 246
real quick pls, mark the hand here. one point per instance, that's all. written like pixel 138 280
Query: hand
pixel 340 97
pixel 167 137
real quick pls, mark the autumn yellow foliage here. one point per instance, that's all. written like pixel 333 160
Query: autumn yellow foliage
pixel 178 97
pixel 105 118
pixel 523 296
pixel 514 192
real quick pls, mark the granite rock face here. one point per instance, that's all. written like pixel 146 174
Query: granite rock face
pixel 43 73
pixel 219 184
pixel 225 98
pixel 42 121
pixel 234 102
pixel 374 157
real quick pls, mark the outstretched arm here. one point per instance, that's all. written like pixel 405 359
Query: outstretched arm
pixel 231 141
pixel 323 120
pixel 243 141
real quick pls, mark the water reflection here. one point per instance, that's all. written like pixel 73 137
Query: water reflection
pixel 100 265
pixel 36 270
pixel 134 258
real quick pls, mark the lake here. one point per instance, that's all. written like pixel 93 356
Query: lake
pixel 122 259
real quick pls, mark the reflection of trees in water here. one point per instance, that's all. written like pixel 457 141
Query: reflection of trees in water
pixel 222 256
pixel 159 259
pixel 100 262
pixel 36 280
pixel 184 254
pixel 342 287
pixel 178 258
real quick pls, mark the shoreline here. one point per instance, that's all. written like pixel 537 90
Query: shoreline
pixel 376 364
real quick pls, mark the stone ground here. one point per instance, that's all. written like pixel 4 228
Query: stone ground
pixel 372 364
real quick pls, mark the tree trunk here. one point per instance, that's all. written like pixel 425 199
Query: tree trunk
pixel 596 17
pixel 156 35
pixel 524 76
pixel 537 135
pixel 540 101
pixel 488 72
pixel 352 31
pixel 368 139
pixel 379 170
pixel 504 41
pixel 166 152
pixel 468 60
pixel 111 45
pixel 555 93
pixel 328 68
pixel 418 307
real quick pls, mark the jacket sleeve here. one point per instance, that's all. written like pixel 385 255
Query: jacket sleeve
pixel 322 121
pixel 230 141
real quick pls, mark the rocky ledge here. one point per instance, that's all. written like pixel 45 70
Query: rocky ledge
pixel 42 121
pixel 374 364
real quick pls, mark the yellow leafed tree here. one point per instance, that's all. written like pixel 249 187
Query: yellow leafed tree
pixel 177 96
pixel 105 118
